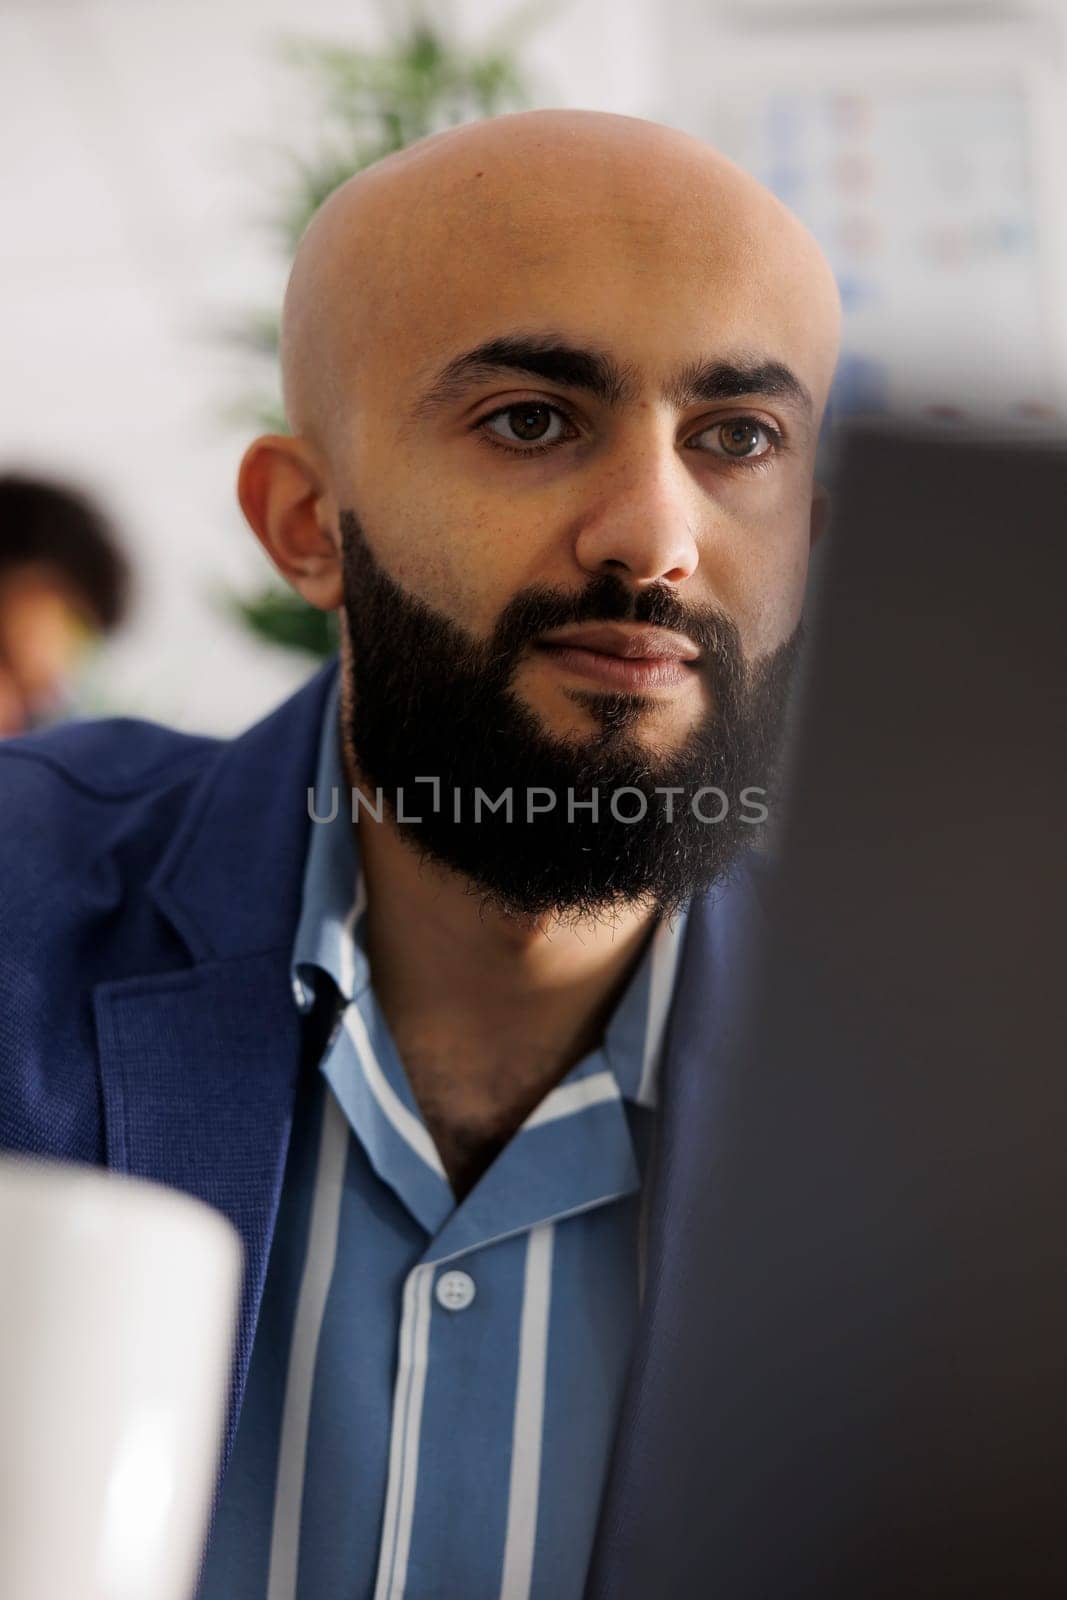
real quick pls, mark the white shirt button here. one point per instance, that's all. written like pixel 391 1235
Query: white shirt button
pixel 455 1291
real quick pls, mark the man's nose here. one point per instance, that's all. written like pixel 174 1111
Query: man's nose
pixel 640 517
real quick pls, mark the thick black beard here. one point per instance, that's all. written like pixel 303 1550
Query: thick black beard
pixel 429 701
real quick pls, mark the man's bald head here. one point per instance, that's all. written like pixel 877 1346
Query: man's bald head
pixel 516 213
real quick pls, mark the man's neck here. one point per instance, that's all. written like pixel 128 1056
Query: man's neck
pixel 488 1011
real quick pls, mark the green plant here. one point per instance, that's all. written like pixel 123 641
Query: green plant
pixel 373 104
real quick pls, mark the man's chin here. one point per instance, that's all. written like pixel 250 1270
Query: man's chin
pixel 590 721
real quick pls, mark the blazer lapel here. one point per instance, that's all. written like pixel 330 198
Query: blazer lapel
pixel 199 1066
pixel 199 1074
pixel 700 1056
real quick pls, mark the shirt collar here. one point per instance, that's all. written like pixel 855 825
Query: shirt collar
pixel 330 935
pixel 634 1039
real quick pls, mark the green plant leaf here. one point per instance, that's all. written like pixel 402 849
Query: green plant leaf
pixel 283 618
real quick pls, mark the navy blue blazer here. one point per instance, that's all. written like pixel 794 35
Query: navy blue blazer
pixel 150 885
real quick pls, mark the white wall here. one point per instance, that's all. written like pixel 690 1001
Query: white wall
pixel 139 140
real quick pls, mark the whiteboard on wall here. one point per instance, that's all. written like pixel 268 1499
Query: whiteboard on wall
pixel 926 160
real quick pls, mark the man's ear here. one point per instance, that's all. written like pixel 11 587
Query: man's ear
pixel 282 490
pixel 820 512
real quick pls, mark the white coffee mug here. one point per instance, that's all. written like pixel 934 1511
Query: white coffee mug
pixel 118 1303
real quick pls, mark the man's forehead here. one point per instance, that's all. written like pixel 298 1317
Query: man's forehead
pixel 546 266
pixel 634 317
pixel 653 269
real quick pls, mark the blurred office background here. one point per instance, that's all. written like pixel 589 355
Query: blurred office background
pixel 145 146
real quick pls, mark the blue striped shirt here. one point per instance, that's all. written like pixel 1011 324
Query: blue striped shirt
pixel 434 1385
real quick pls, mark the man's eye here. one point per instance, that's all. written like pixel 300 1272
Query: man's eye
pixel 741 438
pixel 532 423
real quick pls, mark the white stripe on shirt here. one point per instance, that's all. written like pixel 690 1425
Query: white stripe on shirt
pixel 572 1097
pixel 347 953
pixel 300 1380
pixel 407 1426
pixel 529 1424
pixel 666 948
pixel 410 1128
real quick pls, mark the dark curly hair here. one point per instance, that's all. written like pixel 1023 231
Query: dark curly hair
pixel 51 523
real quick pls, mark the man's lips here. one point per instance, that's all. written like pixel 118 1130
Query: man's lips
pixel 631 641
pixel 622 656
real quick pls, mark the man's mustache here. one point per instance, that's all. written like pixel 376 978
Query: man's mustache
pixel 540 610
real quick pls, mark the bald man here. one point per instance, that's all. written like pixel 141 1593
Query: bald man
pixel 413 979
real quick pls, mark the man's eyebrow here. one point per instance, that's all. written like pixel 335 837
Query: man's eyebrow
pixel 731 380
pixel 542 356
pixel 572 366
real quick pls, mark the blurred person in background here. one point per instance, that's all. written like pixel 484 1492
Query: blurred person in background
pixel 64 582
